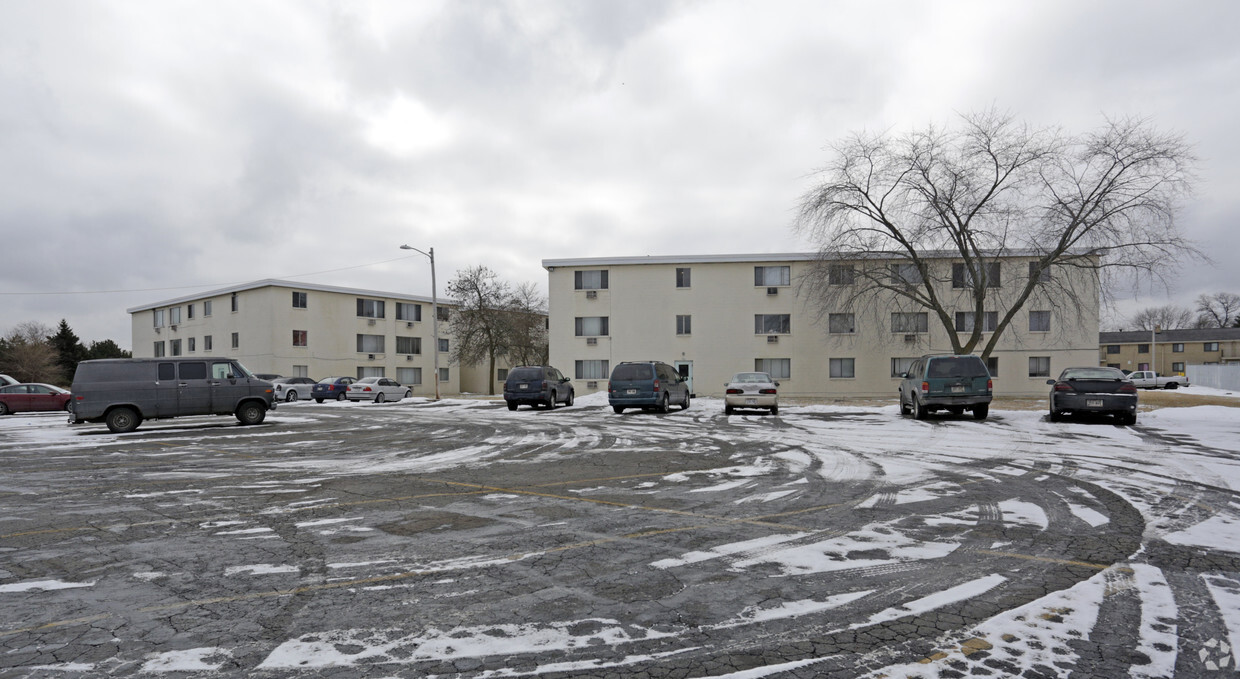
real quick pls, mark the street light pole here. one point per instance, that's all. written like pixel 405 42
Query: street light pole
pixel 434 313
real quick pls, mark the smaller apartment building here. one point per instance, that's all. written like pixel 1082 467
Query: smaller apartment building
pixel 713 316
pixel 1169 352
pixel 296 329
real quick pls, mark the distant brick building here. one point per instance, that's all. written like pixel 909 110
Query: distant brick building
pixel 1169 352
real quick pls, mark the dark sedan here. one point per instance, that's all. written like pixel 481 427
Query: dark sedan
pixel 1093 390
pixel 25 398
pixel 331 388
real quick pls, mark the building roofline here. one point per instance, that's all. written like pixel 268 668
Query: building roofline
pixel 756 257
pixel 1179 335
pixel 277 283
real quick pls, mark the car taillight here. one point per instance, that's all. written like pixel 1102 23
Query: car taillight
pixel 1063 386
pixel 609 389
pixel 366 389
pixel 766 391
pixel 1128 389
pixel 925 387
pixel 656 386
pixel 990 385
pixel 542 386
pixel 331 387
pixel 735 391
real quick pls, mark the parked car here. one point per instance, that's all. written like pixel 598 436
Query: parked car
pixel 751 390
pixel 646 385
pixel 34 397
pixel 377 389
pixel 1148 379
pixel 950 382
pixel 331 388
pixel 293 388
pixel 1093 390
pixel 537 385
pixel 122 392
pixel 267 376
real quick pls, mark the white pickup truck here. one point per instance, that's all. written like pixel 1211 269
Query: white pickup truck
pixel 1148 379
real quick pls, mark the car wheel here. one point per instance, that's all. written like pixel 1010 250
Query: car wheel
pixel 68 406
pixel 512 405
pixel 569 402
pixel 685 405
pixel 380 397
pixel 919 413
pixel 619 409
pixel 318 400
pixel 728 410
pixel 1055 415
pixel 774 410
pixel 980 412
pixel 4 409
pixel 408 394
pixel 341 396
pixel 122 420
pixel 290 397
pixel 550 401
pixel 251 413
pixel 665 406
pixel 1173 385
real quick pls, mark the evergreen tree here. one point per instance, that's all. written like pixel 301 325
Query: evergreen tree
pixel 68 348
pixel 106 349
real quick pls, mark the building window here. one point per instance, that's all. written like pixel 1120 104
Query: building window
pixel 843 367
pixel 1177 367
pixel 408 345
pixel 590 280
pixel 299 338
pixel 905 273
pixel 841 323
pixel 841 274
pixel 234 302
pixel 159 318
pixel 190 345
pixel 992 365
pixel 370 344
pixel 1112 348
pixel 1143 349
pixel 442 314
pixel 1039 366
pixel 443 375
pixel 206 343
pixel 301 371
pixel 1177 348
pixel 900 366
pixel 174 315
pixel 175 347
pixel 159 350
pixel 443 345
pixel 236 340
pixel 962 277
pixel 501 374
pixel 1039 321
pixel 772 276
pixel 370 308
pixel 682 277
pixel 369 371
pixel 684 325
pixel 206 308
pixel 406 311
pixel 409 376
pixel 299 300
pixel 910 321
pixel 772 324
pixel 189 311
pixel 591 326
pixel 1036 271
pixel 1143 366
pixel 591 370
pixel 777 368
pixel 965 321
pixel 1209 346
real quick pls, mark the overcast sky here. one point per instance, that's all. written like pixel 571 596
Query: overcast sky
pixel 151 149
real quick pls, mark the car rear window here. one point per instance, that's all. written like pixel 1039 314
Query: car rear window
pixel 525 374
pixel 957 366
pixel 1092 374
pixel 633 371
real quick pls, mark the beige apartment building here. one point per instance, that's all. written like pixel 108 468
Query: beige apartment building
pixel 299 329
pixel 715 315
pixel 1169 352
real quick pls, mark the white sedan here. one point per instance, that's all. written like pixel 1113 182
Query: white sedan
pixel 751 390
pixel 377 389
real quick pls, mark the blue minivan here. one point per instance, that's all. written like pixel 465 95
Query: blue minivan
pixel 647 385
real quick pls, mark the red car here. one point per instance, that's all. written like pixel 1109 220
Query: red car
pixel 22 398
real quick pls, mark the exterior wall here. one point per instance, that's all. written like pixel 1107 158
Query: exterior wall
pixel 265 320
pixel 1165 359
pixel 474 377
pixel 642 302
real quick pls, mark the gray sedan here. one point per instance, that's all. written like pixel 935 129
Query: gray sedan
pixel 377 389
pixel 292 388
pixel 1093 390
pixel 751 390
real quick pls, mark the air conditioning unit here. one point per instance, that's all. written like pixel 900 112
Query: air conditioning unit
pixel 370 356
pixel 157 331
pixel 591 341
pixel 173 327
pixel 910 338
pixel 591 294
pixel 772 291
pixel 772 339
pixel 409 357
pixel 591 385
pixel 370 321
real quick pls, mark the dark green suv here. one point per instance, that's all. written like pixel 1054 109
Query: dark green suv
pixel 950 382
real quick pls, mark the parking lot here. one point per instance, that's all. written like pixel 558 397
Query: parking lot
pixel 456 538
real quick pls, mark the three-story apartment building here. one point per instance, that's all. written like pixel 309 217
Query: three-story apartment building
pixel 714 315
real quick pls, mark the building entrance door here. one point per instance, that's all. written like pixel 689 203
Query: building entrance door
pixel 685 370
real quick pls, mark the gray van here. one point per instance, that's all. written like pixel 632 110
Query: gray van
pixel 121 392
pixel 646 385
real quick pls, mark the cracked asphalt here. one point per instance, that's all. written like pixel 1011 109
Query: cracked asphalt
pixel 457 539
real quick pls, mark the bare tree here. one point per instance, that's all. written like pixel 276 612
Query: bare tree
pixel 889 210
pixel 27 354
pixel 1220 310
pixel 479 324
pixel 1168 317
pixel 527 317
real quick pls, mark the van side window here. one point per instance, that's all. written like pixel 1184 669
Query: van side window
pixel 167 371
pixel 193 371
pixel 220 370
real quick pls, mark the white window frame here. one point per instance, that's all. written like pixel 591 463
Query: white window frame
pixel 842 368
pixel 777 368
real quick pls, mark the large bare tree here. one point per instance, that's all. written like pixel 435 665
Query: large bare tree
pixel 890 210
pixel 527 317
pixel 494 320
pixel 1220 310
pixel 1167 317
pixel 27 354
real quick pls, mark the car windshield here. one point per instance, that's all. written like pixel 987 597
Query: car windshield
pixel 1091 374
pixel 957 366
pixel 633 371
pixel 751 378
